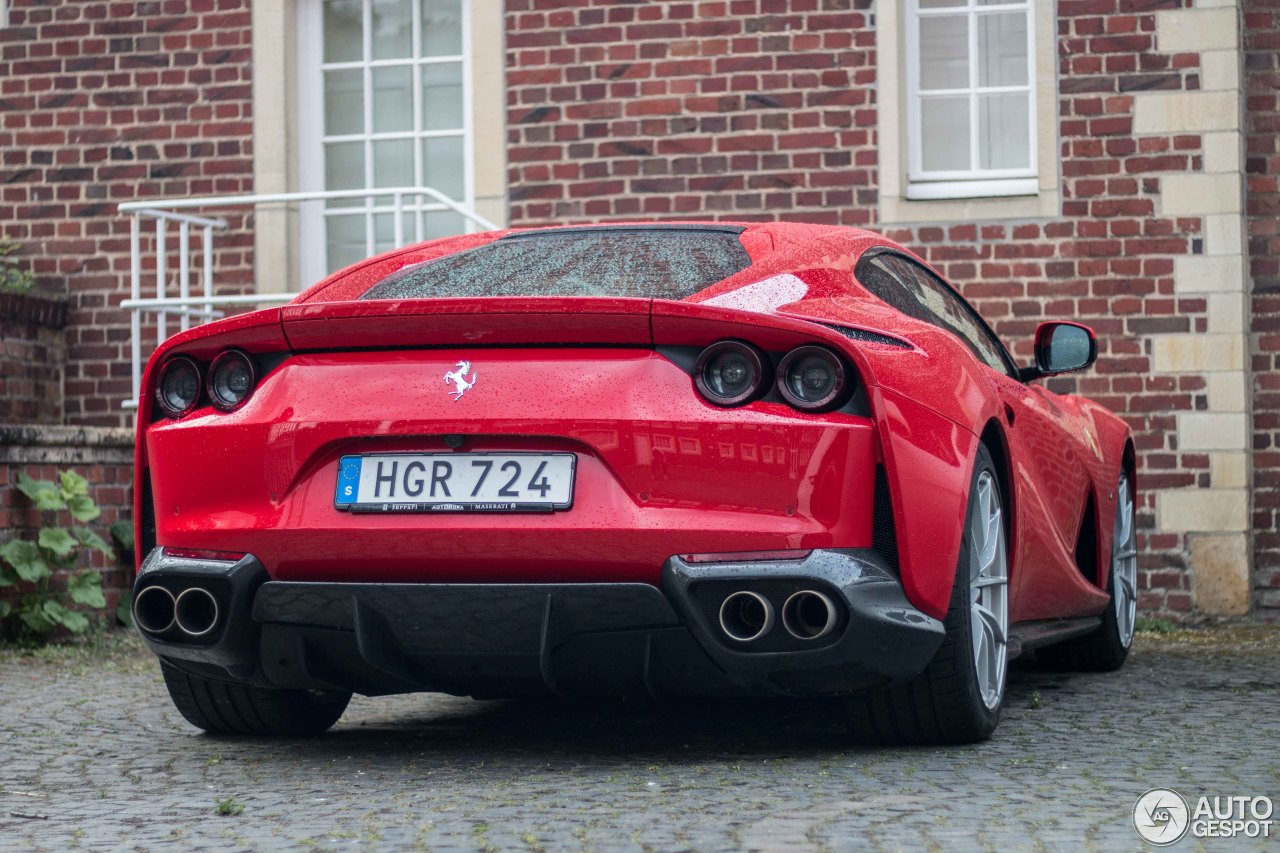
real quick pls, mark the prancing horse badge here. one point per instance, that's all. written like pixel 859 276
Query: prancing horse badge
pixel 459 378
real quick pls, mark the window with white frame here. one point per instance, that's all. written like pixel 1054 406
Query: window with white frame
pixel 970 98
pixel 384 96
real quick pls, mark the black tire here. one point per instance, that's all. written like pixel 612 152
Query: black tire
pixel 221 707
pixel 943 704
pixel 1101 650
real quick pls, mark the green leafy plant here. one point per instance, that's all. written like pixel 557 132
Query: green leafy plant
pixel 228 807
pixel 122 534
pixel 13 277
pixel 42 610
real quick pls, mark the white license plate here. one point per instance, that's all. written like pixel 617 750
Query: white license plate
pixel 455 482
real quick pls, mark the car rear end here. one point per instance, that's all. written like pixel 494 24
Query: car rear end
pixel 490 495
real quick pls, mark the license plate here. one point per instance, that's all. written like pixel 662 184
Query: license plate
pixel 455 482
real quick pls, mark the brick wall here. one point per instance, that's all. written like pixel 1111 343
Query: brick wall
pixel 102 103
pixel 739 109
pixel 102 456
pixel 1262 166
pixel 760 108
pixel 32 359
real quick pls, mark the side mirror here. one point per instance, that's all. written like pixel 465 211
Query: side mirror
pixel 1061 348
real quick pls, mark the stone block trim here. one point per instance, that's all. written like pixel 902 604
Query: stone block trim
pixel 1197 30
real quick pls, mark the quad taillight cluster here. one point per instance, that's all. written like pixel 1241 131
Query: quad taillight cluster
pixel 810 378
pixel 229 382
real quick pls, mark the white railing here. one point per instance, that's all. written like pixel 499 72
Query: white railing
pixel 186 305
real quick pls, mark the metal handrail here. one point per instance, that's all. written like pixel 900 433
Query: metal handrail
pixel 186 305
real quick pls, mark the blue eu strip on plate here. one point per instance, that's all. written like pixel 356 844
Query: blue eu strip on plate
pixel 348 480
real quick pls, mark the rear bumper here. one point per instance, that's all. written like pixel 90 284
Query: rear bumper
pixel 499 639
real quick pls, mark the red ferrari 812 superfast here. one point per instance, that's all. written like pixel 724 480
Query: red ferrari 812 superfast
pixel 649 459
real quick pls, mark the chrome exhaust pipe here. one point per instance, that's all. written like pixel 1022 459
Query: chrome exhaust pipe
pixel 809 614
pixel 746 616
pixel 154 609
pixel 196 611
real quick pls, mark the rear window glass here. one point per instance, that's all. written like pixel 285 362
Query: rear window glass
pixel 648 263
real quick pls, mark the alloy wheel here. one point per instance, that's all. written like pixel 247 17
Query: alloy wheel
pixel 988 590
pixel 1124 564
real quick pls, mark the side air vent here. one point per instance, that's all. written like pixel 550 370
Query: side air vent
pixel 884 535
pixel 1087 543
pixel 867 337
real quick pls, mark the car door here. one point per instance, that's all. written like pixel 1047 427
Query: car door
pixel 1050 484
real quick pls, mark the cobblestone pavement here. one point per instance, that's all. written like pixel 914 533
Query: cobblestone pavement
pixel 90 743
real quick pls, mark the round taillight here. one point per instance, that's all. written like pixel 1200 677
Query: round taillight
pixel 178 388
pixel 813 379
pixel 729 373
pixel 231 380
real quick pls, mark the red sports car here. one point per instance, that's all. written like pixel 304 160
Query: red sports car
pixel 649 459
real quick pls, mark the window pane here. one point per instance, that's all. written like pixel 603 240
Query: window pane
pixel 944 132
pixel 345 240
pixel 392 29
pixel 1004 137
pixel 393 163
pixel 343 24
pixel 343 102
pixel 442 27
pixel 444 224
pixel 384 231
pixel 938 4
pixel 917 293
pixel 442 96
pixel 1002 50
pixel 393 99
pixel 344 166
pixel 443 166
pixel 944 52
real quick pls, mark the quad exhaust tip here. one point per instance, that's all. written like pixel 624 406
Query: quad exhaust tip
pixel 154 610
pixel 746 616
pixel 809 615
pixel 196 611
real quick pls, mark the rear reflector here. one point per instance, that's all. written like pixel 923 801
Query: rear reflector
pixel 745 556
pixel 201 554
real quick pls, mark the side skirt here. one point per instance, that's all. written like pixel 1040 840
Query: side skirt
pixel 1046 632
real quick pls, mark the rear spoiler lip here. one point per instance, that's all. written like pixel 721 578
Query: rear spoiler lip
pixel 467 321
pixel 460 322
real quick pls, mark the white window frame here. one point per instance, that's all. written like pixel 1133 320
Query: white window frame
pixel 974 182
pixel 310 100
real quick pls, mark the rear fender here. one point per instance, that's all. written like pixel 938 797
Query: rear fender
pixel 1113 438
pixel 256 332
pixel 928 464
